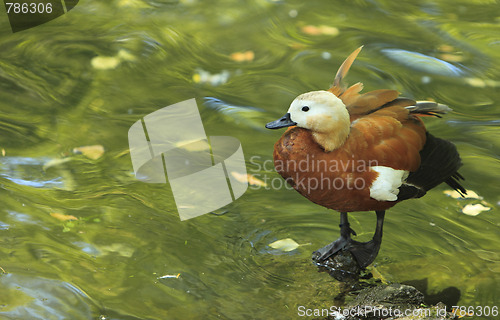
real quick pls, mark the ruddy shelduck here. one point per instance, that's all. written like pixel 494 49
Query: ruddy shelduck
pixel 361 152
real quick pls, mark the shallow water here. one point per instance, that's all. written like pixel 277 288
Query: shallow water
pixel 86 77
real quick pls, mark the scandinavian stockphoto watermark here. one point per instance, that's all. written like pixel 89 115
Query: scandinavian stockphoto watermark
pixel 310 173
pixel 170 145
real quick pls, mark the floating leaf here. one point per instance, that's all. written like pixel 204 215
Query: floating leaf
pixel 248 178
pixel 124 55
pixel 242 56
pixel 446 48
pixel 321 30
pixel 455 195
pixel 474 209
pixel 451 57
pixel 284 245
pixel 482 83
pixel 170 276
pixel 92 152
pixel 63 217
pixel 105 63
pixel 193 145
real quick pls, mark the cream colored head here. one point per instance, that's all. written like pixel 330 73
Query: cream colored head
pixel 324 114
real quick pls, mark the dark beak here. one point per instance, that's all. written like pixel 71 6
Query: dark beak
pixel 284 121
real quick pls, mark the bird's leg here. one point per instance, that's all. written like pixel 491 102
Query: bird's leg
pixel 329 250
pixel 366 252
pixel 363 252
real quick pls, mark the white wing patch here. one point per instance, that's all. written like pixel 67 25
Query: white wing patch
pixel 385 187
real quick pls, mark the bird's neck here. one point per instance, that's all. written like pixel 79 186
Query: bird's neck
pixel 331 140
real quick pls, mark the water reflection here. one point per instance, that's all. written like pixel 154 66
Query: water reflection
pixel 55 96
pixel 32 297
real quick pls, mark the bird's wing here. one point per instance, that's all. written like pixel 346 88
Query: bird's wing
pixel 391 136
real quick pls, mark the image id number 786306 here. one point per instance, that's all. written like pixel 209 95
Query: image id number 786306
pixel 28 7
pixel 477 311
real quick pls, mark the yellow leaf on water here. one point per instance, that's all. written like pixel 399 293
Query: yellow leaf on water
pixel 311 30
pixel 243 56
pixel 329 31
pixel 105 63
pixel 92 152
pixel 244 178
pixel 451 57
pixel 474 209
pixel 63 217
pixel 253 181
pixel 193 145
pixel 446 48
pixel 170 276
pixel 321 30
pixel 284 245
pixel 125 55
pixel 240 177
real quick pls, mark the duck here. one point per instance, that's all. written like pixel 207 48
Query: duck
pixel 351 151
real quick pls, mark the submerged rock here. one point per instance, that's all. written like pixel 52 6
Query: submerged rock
pixel 390 302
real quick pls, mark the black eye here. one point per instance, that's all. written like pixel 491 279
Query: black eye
pixel 305 108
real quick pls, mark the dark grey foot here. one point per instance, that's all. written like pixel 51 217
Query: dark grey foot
pixel 331 249
pixel 364 252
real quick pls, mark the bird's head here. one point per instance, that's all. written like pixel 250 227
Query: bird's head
pixel 323 113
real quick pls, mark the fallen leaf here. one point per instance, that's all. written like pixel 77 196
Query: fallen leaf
pixel 63 217
pixel 105 63
pixel 329 31
pixel 284 245
pixel 92 152
pixel 455 195
pixel 124 55
pixel 193 145
pixel 321 30
pixel 248 178
pixel 446 48
pixel 451 57
pixel 253 181
pixel 482 83
pixel 242 56
pixel 240 177
pixel 474 209
pixel 170 276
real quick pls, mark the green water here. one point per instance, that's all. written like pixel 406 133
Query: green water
pixel 86 77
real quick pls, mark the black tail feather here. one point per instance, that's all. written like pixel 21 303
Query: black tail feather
pixel 454 183
pixel 440 162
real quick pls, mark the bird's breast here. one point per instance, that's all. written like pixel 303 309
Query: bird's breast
pixel 338 180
